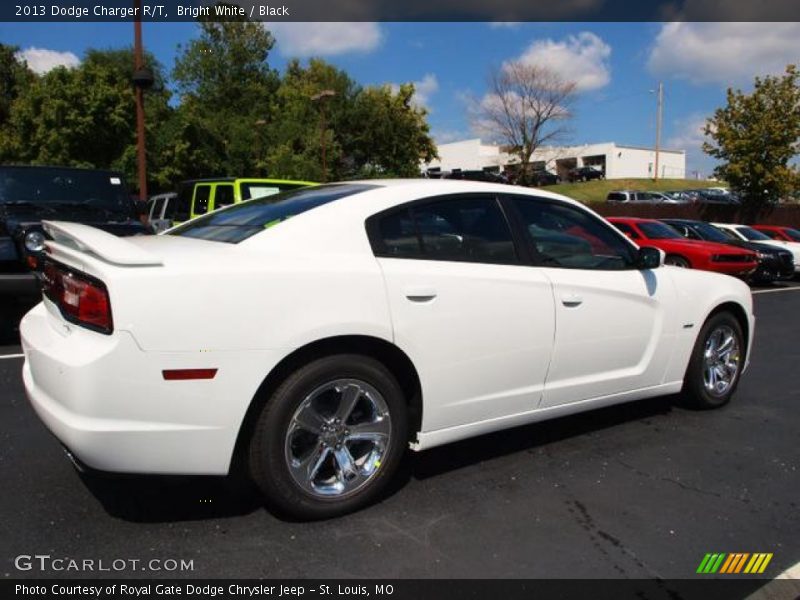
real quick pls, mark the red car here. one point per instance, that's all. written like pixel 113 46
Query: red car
pixel 779 232
pixel 694 254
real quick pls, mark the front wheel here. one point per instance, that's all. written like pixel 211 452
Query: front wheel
pixel 716 363
pixel 676 261
pixel 330 437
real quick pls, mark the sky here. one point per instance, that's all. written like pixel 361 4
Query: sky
pixel 616 66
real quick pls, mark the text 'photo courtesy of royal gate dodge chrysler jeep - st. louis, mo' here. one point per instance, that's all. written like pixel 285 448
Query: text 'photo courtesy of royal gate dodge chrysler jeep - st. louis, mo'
pixel 342 324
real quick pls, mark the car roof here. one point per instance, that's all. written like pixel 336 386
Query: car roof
pixel 62 168
pixel 232 179
pixel 338 226
pixel 632 220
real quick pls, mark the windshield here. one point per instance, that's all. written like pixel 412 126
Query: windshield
pixel 752 234
pixel 710 233
pixel 241 221
pixel 792 233
pixel 658 231
pixel 55 186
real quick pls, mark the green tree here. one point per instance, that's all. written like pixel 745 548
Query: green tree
pixel 389 134
pixel 300 123
pixel 368 132
pixel 15 77
pixel 756 136
pixel 227 90
pixel 84 116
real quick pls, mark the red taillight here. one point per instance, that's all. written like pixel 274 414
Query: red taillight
pixel 82 299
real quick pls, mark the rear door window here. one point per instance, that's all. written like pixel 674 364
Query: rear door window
pixel 466 229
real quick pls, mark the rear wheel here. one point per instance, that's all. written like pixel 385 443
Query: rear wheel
pixel 716 363
pixel 676 261
pixel 330 437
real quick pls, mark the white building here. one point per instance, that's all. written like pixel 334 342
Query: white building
pixel 616 160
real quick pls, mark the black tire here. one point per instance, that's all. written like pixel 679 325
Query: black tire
pixel 677 261
pixel 695 393
pixel 269 446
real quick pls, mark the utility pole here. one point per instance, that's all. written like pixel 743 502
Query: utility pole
pixel 659 117
pixel 138 66
pixel 320 98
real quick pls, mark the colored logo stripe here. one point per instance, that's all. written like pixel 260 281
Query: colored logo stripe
pixel 734 562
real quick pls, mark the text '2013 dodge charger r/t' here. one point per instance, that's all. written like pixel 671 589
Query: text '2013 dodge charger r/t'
pixel 315 335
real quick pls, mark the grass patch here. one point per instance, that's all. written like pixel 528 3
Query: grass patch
pixel 596 191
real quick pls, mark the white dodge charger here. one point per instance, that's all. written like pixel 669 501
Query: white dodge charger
pixel 314 336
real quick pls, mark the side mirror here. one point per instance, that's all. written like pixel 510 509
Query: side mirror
pixel 649 258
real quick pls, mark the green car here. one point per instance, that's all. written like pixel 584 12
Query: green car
pixel 200 196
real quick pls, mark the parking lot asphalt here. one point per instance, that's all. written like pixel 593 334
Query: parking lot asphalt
pixel 640 490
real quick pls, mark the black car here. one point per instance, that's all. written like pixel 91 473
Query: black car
pixel 30 195
pixel 540 178
pixel 586 173
pixel 773 263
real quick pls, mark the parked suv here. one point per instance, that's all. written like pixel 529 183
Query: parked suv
pixel 200 196
pixel 29 195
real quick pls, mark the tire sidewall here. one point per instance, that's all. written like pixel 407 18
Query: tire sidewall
pixel 267 448
pixel 694 389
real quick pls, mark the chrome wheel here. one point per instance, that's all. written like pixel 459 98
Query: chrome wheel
pixel 338 437
pixel 721 358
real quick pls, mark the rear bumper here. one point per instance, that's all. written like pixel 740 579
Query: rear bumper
pixel 106 400
pixel 19 284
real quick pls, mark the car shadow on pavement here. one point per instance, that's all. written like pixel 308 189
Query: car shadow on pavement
pixel 156 499
pixel 529 437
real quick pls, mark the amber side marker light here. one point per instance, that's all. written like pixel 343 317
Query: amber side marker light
pixel 187 374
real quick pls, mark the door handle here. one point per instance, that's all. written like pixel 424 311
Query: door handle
pixel 420 294
pixel 571 300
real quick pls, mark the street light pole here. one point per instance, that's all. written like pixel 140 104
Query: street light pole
pixel 659 117
pixel 138 65
pixel 320 97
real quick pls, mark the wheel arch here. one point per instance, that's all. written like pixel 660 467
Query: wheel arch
pixel 391 356
pixel 740 314
pixel 681 256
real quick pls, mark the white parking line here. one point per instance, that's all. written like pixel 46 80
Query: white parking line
pixel 5 356
pixel 787 289
pixel 785 586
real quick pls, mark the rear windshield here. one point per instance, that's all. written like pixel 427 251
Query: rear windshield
pixel 752 234
pixel 241 221
pixel 792 233
pixel 57 186
pixel 710 233
pixel 658 231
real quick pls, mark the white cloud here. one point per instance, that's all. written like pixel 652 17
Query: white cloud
pixel 725 53
pixel 423 90
pixel 325 39
pixel 582 58
pixel 689 136
pixel 42 60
